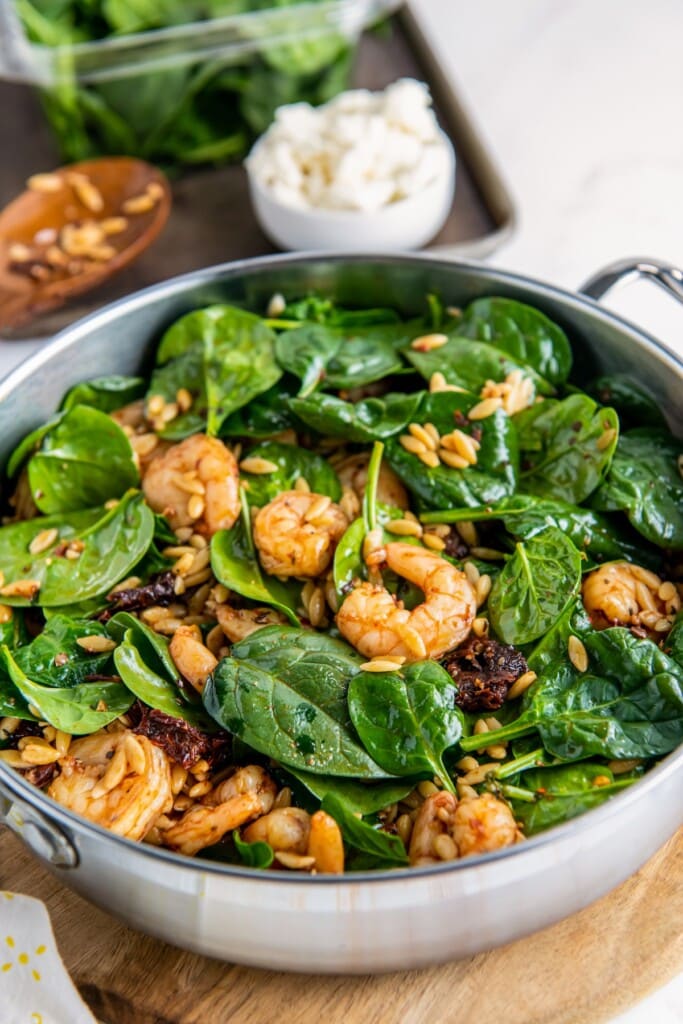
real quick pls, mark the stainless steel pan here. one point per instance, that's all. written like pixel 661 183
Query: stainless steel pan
pixel 365 922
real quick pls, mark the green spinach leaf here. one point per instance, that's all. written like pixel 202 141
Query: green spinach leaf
pixel 79 709
pixel 272 715
pixel 534 587
pixel 84 460
pixel 113 541
pixel 334 357
pixel 566 447
pixel 562 793
pixel 151 688
pixel 644 482
pixel 254 855
pixel 407 719
pixel 491 479
pixel 104 393
pixel 292 462
pixel 368 420
pixel 359 797
pixel 55 658
pixel 470 364
pixel 381 848
pixel 521 331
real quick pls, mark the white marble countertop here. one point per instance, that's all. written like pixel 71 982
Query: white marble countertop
pixel 580 103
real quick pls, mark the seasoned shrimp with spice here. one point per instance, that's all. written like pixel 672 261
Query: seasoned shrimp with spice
pixel 296 533
pixel 115 779
pixel 300 840
pixel 378 625
pixel 624 594
pixel 447 828
pixel 195 483
pixel 246 795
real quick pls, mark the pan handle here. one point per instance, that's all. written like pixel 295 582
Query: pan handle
pixel 40 834
pixel 667 277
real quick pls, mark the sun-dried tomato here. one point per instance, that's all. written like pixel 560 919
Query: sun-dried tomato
pixel 183 743
pixel 41 775
pixel 483 671
pixel 159 591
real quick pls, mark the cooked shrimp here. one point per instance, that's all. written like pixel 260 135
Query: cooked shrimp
pixel 378 625
pixel 297 532
pixel 116 779
pixel 246 795
pixel 286 830
pixel 353 473
pixel 474 825
pixel 624 594
pixel 238 623
pixel 195 483
pixel 191 656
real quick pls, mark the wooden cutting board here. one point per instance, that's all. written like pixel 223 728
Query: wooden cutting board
pixel 582 971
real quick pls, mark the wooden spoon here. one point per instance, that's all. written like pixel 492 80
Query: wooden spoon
pixel 73 228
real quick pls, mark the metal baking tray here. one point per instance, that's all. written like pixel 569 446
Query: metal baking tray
pixel 212 221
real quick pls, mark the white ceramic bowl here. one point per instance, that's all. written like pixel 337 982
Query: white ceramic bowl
pixel 406 224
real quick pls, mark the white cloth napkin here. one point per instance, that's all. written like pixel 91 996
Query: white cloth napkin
pixel 35 987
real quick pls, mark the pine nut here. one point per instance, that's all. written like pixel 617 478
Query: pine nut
pixel 113 225
pixel 43 540
pixel 605 439
pixel 521 684
pixel 195 506
pixel 471 571
pixel 430 459
pixel 276 306
pixel 403 528
pixel 434 542
pixel 667 592
pixel 88 194
pixel 138 204
pixel 419 432
pixel 95 644
pixel 412 444
pixel 468 532
pixel 184 399
pixel 428 342
pixel 483 589
pixel 45 183
pixel 482 410
pixel 258 466
pixel 21 588
pixel 452 459
pixel 578 655
pixel 381 665
pixel 487 554
pixel 319 505
pixel 480 627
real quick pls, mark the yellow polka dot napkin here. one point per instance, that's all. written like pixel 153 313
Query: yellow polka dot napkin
pixel 35 987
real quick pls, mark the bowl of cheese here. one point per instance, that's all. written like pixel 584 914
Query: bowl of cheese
pixel 365 171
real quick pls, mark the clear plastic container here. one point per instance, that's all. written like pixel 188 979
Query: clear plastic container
pixel 190 93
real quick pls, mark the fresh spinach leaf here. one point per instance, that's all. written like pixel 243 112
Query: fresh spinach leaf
pixel 629 704
pixel 113 542
pixel 359 797
pixel 273 716
pixel 407 719
pixel 55 658
pixel 534 587
pixel 562 793
pixel 104 393
pixel 13 631
pixel 470 364
pixel 292 462
pixel 151 688
pixel 318 666
pixel 254 855
pixel 635 407
pixel 235 565
pixel 228 356
pixel 491 479
pixel 320 310
pixel 79 709
pixel 334 357
pixel 83 460
pixel 383 849
pixel 368 420
pixel 266 415
pixel 522 332
pixel 644 481
pixel 566 447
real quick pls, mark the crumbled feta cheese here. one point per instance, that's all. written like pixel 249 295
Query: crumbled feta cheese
pixel 360 151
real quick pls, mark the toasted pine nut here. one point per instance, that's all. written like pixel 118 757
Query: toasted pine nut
pixel 430 459
pixel 521 684
pixel 419 432
pixel 255 464
pixel 482 410
pixel 43 540
pixel 428 342
pixel 403 528
pixel 605 439
pixel 45 182
pixel 578 654
pixel 95 644
pixel 413 444
pixel 276 306
pixel 452 459
pixel 138 204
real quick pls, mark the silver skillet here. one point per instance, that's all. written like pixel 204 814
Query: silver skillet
pixel 373 921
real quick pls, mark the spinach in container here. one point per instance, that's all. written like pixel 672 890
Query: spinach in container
pixel 205 104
